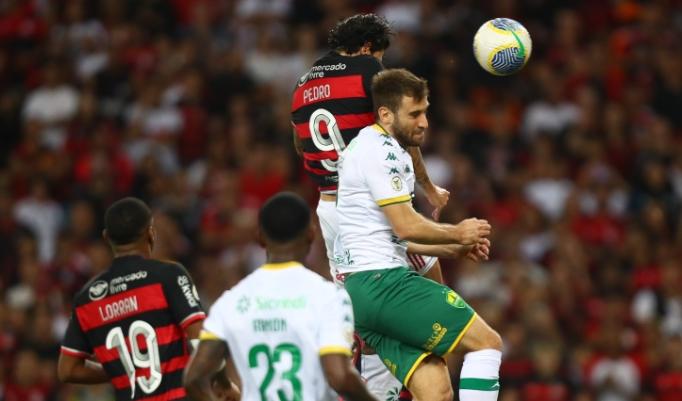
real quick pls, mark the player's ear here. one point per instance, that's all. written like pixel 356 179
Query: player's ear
pixel 385 115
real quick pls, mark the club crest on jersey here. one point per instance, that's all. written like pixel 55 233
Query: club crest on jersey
pixel 98 290
pixel 303 79
pixel 396 183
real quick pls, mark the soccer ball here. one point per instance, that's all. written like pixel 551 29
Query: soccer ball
pixel 502 46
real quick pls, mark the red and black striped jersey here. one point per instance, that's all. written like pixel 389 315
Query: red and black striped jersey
pixel 330 104
pixel 131 318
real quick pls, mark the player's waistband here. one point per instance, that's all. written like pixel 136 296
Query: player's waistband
pixel 347 271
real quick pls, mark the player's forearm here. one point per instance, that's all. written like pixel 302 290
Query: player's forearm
pixel 446 251
pixel 353 389
pixel 422 231
pixel 420 174
pixel 199 389
pixel 86 372
pixel 409 225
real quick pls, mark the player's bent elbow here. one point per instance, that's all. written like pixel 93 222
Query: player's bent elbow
pixel 65 370
pixel 404 231
pixel 63 375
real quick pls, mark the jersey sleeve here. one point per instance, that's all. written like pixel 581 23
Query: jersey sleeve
pixel 75 343
pixel 385 176
pixel 183 299
pixel 215 326
pixel 335 334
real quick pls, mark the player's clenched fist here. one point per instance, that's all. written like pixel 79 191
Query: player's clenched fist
pixel 472 231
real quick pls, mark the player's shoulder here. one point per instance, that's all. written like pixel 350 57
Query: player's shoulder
pixel 313 282
pixel 334 64
pixel 95 289
pixel 366 61
pixel 370 138
pixel 239 293
pixel 165 267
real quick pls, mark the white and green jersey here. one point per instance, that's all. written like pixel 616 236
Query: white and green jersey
pixel 374 171
pixel 277 322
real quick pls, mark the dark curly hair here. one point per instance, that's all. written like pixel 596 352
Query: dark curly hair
pixel 350 34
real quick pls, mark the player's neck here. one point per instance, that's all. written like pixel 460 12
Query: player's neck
pixel 284 258
pixel 346 54
pixel 283 254
pixel 133 250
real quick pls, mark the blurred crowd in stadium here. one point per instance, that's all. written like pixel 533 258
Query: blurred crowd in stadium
pixel 576 162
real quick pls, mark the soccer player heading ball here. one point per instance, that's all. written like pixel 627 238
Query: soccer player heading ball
pixel 410 321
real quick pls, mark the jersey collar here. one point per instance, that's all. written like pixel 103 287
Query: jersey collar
pixel 380 129
pixel 280 266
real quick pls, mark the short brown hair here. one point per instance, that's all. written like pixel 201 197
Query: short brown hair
pixel 389 87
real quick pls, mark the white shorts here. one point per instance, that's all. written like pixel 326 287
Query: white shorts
pixel 329 225
pixel 380 382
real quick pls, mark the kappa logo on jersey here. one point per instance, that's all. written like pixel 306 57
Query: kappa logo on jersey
pixel 396 183
pixel 98 290
pixel 243 305
pixel 188 291
pixel 393 394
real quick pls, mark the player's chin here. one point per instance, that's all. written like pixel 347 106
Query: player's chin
pixel 418 138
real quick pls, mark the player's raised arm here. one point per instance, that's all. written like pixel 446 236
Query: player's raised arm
pixel 411 226
pixel 438 197
pixel 477 253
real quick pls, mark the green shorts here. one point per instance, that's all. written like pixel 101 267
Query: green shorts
pixel 405 317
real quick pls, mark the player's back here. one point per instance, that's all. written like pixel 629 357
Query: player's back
pixel 131 317
pixel 277 322
pixel 330 104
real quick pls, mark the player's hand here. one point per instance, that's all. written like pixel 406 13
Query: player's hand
pixel 226 394
pixel 479 252
pixel 438 197
pixel 472 231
